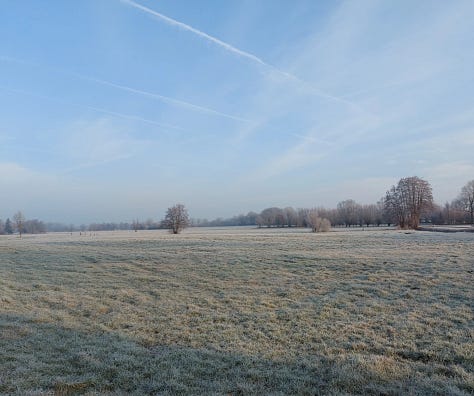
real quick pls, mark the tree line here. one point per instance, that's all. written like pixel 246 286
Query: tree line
pixel 405 205
pixel 348 213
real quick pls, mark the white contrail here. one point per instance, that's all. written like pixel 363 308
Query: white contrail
pixel 183 26
pixel 237 51
pixel 162 98
pixel 98 109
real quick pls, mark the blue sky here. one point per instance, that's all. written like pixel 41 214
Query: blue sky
pixel 112 110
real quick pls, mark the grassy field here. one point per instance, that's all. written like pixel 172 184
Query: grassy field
pixel 237 311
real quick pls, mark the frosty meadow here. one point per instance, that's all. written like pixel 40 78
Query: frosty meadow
pixel 237 311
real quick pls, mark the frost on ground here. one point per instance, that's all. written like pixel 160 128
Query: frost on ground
pixel 237 311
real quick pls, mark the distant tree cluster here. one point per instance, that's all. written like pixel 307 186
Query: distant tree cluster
pixel 250 219
pixel 21 225
pixel 6 227
pixel 405 205
pixel 411 201
pixel 347 214
pixel 118 226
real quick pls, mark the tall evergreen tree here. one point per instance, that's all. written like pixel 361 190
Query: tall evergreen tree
pixel 8 227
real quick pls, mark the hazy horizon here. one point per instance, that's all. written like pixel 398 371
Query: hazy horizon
pixel 116 110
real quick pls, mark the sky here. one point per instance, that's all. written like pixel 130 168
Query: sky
pixel 113 110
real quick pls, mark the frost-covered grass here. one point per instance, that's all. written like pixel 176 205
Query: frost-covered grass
pixel 237 311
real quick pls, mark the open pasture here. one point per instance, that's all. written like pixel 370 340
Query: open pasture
pixel 237 311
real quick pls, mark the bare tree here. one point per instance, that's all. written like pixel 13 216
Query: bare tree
pixel 349 212
pixel 280 218
pixel 291 216
pixel 176 219
pixel 408 201
pixel 448 213
pixel 302 220
pixel 465 200
pixel 458 212
pixel 19 221
pixel 317 223
pixel 135 225
pixel 369 214
pixel 34 227
pixel 271 217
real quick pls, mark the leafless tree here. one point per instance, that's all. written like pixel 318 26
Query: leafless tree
pixel 458 213
pixel 291 216
pixel 19 221
pixel 349 212
pixel 34 226
pixel 465 200
pixel 436 215
pixel 408 201
pixel 369 214
pixel 381 218
pixel 317 223
pixel 302 214
pixel 135 225
pixel 448 213
pixel 271 217
pixel 176 219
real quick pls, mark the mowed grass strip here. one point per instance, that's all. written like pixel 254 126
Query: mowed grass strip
pixel 237 311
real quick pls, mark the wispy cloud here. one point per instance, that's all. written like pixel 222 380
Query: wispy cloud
pixel 295 157
pixel 403 80
pixel 88 144
pixel 312 139
pixel 316 145
pixel 12 172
